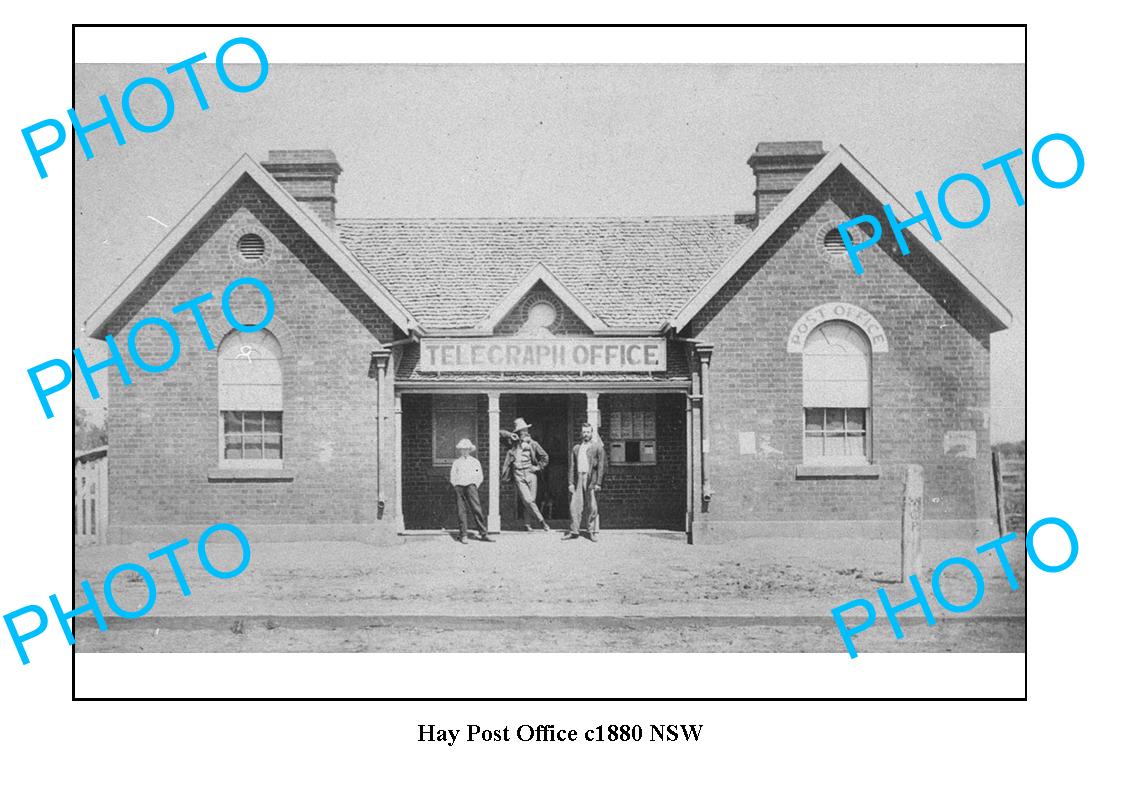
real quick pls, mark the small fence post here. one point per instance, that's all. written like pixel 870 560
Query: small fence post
pixel 999 492
pixel 911 516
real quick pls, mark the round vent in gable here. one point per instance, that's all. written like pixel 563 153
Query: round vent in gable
pixel 541 316
pixel 832 242
pixel 251 246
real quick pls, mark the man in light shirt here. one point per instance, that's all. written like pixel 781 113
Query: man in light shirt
pixel 588 472
pixel 466 476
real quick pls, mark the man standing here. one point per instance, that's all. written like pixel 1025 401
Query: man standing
pixel 466 476
pixel 588 471
pixel 524 460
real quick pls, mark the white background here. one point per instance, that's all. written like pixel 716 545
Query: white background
pixel 1055 739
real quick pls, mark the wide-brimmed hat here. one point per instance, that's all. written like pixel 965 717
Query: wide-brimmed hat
pixel 465 443
pixel 520 424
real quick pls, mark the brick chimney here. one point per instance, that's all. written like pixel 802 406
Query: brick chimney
pixel 778 167
pixel 309 175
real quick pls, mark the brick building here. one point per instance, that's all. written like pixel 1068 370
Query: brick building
pixel 744 379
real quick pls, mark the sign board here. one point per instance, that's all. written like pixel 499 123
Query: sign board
pixel 543 354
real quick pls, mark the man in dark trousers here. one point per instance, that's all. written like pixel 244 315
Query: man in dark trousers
pixel 588 472
pixel 524 460
pixel 466 476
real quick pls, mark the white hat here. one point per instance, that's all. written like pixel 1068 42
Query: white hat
pixel 520 424
pixel 465 443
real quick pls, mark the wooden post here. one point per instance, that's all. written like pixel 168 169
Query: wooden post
pixel 911 516
pixel 592 415
pixel 999 492
pixel 688 520
pixel 494 452
pixel 399 460
pixel 102 500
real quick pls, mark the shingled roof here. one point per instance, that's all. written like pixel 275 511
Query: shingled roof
pixel 629 272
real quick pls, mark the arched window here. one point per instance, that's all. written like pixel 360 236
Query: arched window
pixel 250 400
pixel 836 394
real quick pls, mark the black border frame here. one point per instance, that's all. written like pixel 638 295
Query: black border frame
pixel 74 697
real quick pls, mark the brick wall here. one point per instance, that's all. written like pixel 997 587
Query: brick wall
pixel 428 499
pixel 934 379
pixel 647 496
pixel 165 427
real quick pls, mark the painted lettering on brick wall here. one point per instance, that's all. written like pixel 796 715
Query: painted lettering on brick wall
pixel 838 311
pixel 551 354
pixel 109 118
pixel 874 233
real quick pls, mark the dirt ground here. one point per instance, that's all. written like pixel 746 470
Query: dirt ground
pixel 535 592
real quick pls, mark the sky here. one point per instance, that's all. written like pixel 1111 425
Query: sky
pixel 481 141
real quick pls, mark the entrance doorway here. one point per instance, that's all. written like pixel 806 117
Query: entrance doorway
pixel 552 422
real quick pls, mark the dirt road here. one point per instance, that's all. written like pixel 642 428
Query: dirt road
pixel 535 592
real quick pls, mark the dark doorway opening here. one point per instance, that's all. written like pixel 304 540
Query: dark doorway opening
pixel 551 420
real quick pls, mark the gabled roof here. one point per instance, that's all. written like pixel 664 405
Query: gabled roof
pixel 539 273
pixel 246 165
pixel 839 156
pixel 629 273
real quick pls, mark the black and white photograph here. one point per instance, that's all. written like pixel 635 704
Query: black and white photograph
pixel 645 401
pixel 552 358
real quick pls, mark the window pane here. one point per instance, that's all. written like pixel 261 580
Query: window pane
pixel 834 419
pixel 631 451
pixel 813 419
pixel 233 446
pixel 855 419
pixel 273 422
pixel 253 422
pixel 856 445
pixel 252 446
pixel 454 418
pixel 272 446
pixel 232 421
pixel 834 446
pixel 813 446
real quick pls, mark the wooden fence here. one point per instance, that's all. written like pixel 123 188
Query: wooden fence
pixel 91 496
pixel 1010 491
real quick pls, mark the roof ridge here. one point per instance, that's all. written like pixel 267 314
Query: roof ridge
pixel 723 216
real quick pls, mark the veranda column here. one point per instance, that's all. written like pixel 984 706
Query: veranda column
pixel 688 423
pixel 494 449
pixel 399 515
pixel 592 410
pixel 699 531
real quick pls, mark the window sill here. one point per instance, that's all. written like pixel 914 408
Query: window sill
pixel 838 471
pixel 229 474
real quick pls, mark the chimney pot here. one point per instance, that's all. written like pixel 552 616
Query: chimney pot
pixel 779 166
pixel 309 175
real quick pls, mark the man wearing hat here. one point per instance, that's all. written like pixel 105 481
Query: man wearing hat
pixel 524 460
pixel 588 472
pixel 466 476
